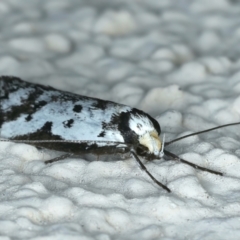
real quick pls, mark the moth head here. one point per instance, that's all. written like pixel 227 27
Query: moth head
pixel 147 130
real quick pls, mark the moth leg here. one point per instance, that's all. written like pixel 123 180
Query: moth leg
pixel 176 158
pixel 142 166
pixel 62 157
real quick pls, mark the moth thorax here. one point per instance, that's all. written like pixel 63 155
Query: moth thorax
pixel 152 141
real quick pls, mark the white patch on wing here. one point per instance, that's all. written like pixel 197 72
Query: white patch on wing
pixel 16 98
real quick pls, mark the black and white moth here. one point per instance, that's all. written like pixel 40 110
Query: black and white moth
pixel 43 116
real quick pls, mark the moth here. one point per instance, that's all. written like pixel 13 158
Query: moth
pixel 46 117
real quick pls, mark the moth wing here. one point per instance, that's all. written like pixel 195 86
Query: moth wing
pixel 37 112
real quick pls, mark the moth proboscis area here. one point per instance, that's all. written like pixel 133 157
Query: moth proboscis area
pixel 46 117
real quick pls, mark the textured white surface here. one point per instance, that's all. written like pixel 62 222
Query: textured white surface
pixel 176 60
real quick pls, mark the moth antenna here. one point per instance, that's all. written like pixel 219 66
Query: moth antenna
pixel 176 158
pixel 204 131
pixel 60 141
pixel 161 153
pixel 142 166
